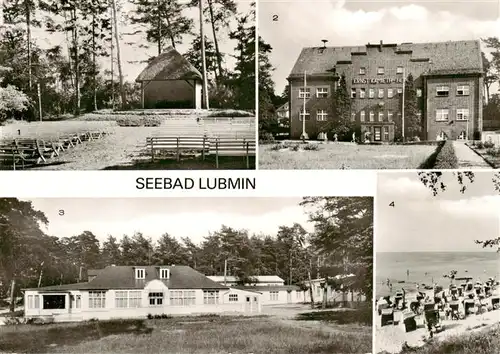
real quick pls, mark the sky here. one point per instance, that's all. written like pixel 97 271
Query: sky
pixel 180 217
pixel 420 222
pixel 304 23
pixel 131 53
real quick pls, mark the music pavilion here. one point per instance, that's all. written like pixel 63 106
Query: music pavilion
pixel 448 81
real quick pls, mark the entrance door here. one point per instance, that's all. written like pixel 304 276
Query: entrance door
pixel 377 133
pixel 289 297
pixel 248 304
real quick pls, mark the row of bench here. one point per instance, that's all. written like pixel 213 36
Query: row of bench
pixel 219 146
pixel 22 151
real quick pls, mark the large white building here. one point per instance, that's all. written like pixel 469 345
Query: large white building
pixel 136 292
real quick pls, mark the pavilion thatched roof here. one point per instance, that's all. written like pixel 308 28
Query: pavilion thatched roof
pixel 169 65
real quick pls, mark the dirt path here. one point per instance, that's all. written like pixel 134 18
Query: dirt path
pixel 467 157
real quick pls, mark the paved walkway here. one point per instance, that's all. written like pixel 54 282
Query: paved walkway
pixel 467 158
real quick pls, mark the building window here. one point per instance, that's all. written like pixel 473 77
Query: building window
pixel 372 117
pixel 121 299
pixel 233 297
pixel 380 116
pixel 380 70
pixel 54 302
pixel 78 301
pixel 128 299
pixel 164 273
pixel 380 93
pixel 386 133
pixel 97 299
pixel 304 92
pixel 353 116
pixel 390 116
pixel 33 301
pixel 463 135
pixel 362 92
pixel 322 92
pixel 442 115
pixel 390 93
pixel 371 93
pixel 362 116
pixel 399 70
pixel 442 91
pixel 210 297
pixel 321 115
pixel 362 70
pixel 273 295
pixel 306 116
pixel 463 90
pixel 353 93
pixel 419 92
pixel 155 299
pixel 182 297
pixel 400 90
pixel 140 274
pixel 463 114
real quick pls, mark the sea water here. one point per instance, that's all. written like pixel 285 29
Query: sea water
pixel 405 269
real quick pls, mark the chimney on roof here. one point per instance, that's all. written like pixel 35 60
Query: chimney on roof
pixel 324 42
pixel 381 44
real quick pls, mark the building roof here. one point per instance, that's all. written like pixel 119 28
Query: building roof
pixel 260 288
pixel 458 56
pixel 283 107
pixel 169 65
pixel 258 278
pixel 123 277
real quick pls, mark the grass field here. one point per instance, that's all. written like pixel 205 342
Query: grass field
pixel 209 334
pixel 346 156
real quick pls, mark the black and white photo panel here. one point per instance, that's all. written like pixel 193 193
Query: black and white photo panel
pixel 379 84
pixel 437 265
pixel 127 85
pixel 186 275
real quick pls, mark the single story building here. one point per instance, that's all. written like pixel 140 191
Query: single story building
pixel 261 280
pixel 136 292
pixel 332 295
pixel 170 81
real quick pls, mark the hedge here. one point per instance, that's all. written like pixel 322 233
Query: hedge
pixel 446 157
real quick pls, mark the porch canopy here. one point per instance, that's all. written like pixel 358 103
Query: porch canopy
pixel 173 77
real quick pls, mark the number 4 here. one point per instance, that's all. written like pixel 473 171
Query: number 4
pixel 392 204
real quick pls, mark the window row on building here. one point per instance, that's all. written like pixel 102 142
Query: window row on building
pixel 381 70
pixel 441 91
pixel 442 114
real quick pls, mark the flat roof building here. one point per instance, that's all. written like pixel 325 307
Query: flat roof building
pixel 448 81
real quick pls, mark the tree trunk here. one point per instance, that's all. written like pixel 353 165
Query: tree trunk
pixel 172 39
pixel 216 42
pixel 159 28
pixel 325 297
pixel 12 293
pixel 28 35
pixel 77 62
pixel 94 66
pixel 118 55
pixel 311 289
pixel 290 270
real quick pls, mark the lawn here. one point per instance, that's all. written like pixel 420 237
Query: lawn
pixel 345 156
pixel 187 335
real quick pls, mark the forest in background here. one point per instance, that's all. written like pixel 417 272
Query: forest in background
pixel 342 241
pixel 84 72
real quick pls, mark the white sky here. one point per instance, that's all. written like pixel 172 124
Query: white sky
pixel 304 23
pixel 180 217
pixel 131 53
pixel 419 221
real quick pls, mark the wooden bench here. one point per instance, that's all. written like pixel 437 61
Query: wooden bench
pixel 70 140
pixel 34 149
pixel 178 144
pixel 9 152
pixel 232 147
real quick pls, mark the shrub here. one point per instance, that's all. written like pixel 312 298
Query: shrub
pixel 488 145
pixel 479 145
pixel 311 147
pixel 266 138
pixel 493 152
pixel 446 157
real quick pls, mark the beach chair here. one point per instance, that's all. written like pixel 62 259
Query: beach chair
pixel 495 302
pixel 433 321
pixel 387 317
pixel 469 305
pixel 454 307
pixel 409 322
